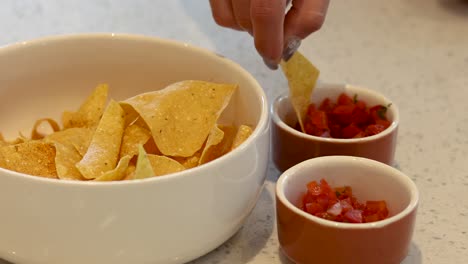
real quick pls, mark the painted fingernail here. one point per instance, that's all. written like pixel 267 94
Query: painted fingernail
pixel 270 64
pixel 291 47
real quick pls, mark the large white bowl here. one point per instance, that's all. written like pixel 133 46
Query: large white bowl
pixel 170 219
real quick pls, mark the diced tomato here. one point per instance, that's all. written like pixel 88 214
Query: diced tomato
pixel 360 116
pixel 358 205
pixel 322 199
pixel 371 218
pixel 350 131
pixel 335 130
pixel 361 104
pixel 384 123
pixel 378 208
pixel 311 109
pixel 343 110
pixel 313 188
pixel 343 118
pixel 360 135
pixel 319 119
pixel 308 199
pixel 312 130
pixel 325 186
pixel 339 204
pixel 374 130
pixel 314 208
pixel 326 105
pixel 344 99
pixel 343 114
pixel 326 215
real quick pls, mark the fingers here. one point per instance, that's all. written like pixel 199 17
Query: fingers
pixel 223 14
pixel 241 10
pixel 304 18
pixel 276 36
pixel 267 18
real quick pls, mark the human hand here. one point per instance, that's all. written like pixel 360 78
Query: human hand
pixel 277 34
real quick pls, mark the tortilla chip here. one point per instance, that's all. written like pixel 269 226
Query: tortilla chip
pixel 217 145
pixel 215 136
pixel 151 148
pixel 243 133
pixel 130 172
pixel 78 137
pixel 118 173
pixel 163 165
pixel 189 162
pixel 143 167
pixel 302 76
pixel 134 135
pixel 90 111
pixel 18 140
pixel 32 157
pixel 182 115
pixel 35 134
pixel 66 157
pixel 104 149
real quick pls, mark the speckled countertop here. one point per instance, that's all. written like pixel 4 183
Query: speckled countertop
pixel 413 51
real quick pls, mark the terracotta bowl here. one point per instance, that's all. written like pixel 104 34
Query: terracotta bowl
pixel 291 146
pixel 305 238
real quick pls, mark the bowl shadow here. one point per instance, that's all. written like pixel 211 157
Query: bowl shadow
pixel 414 256
pixel 250 239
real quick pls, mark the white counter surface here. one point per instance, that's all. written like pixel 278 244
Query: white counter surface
pixel 413 51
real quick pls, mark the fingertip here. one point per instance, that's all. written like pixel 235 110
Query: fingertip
pixel 269 51
pixel 270 64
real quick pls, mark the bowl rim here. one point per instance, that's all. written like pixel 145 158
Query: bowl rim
pixel 306 165
pixel 284 96
pixel 261 126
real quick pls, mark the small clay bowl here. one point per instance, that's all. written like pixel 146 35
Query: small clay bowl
pixel 290 146
pixel 305 238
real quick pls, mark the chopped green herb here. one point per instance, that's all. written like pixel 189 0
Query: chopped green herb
pixel 355 98
pixel 338 194
pixel 382 112
pixel 390 104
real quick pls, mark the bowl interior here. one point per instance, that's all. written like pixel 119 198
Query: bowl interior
pixel 43 78
pixel 370 180
pixel 284 110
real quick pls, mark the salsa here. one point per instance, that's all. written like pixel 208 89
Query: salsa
pixel 339 204
pixel 346 118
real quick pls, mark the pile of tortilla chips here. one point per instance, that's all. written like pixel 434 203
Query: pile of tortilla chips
pixel 151 134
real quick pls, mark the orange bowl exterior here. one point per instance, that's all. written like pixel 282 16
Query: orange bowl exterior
pixel 289 149
pixel 305 241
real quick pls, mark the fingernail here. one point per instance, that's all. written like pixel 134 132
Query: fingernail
pixel 291 47
pixel 270 64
